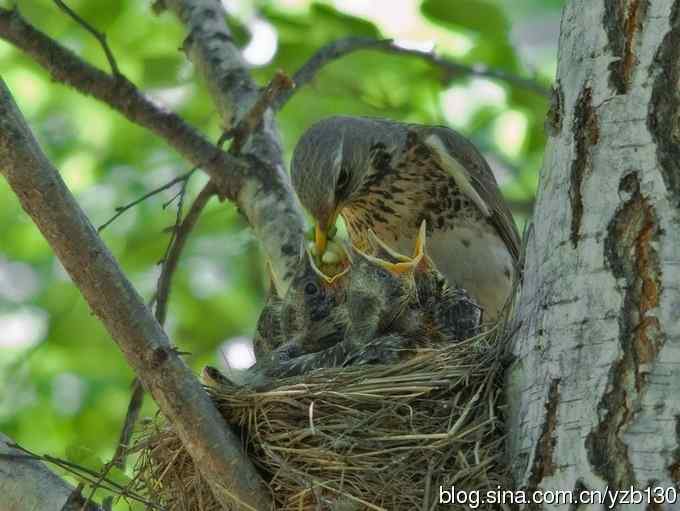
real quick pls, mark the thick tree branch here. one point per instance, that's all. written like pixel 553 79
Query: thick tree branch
pixel 343 47
pixel 112 298
pixel 270 207
pixel 121 95
pixel 28 484
pixel 259 185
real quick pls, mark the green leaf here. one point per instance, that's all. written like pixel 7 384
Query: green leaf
pixel 480 16
pixel 161 70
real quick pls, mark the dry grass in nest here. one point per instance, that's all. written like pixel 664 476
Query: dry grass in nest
pixel 369 437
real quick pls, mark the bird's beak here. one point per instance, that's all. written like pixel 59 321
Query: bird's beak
pixel 405 264
pixel 329 280
pixel 321 239
pixel 419 250
pixel 321 233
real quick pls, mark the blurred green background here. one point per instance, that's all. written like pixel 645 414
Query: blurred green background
pixel 64 386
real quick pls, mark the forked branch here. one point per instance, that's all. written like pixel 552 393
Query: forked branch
pixel 44 196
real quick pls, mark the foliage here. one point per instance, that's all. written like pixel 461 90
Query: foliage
pixel 63 384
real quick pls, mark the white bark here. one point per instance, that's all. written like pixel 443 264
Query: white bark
pixel 593 389
pixel 266 198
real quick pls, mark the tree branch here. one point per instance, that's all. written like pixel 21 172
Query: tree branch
pixel 28 484
pixel 175 249
pixel 99 36
pixel 343 47
pixel 44 196
pixel 270 207
pixel 121 95
pixel 259 185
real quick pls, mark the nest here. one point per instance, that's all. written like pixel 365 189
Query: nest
pixel 368 437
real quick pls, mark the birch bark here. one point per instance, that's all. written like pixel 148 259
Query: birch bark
pixel 593 388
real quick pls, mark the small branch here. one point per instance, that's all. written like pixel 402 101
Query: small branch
pixel 99 36
pixel 248 124
pixel 125 439
pixel 87 475
pixel 44 196
pixel 122 209
pixel 456 69
pixel 175 249
pixel 343 47
pixel 26 483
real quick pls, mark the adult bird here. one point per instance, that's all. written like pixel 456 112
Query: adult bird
pixel 390 176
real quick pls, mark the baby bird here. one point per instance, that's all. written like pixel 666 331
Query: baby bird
pixel 268 332
pixel 313 313
pixel 310 317
pixel 448 313
pixel 393 305
pixel 396 305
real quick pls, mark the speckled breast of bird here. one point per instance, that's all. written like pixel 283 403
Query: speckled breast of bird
pixel 403 190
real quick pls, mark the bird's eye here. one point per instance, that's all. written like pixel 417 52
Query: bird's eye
pixel 383 274
pixel 343 181
pixel 311 289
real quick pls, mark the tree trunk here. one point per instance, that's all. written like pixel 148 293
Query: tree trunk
pixel 596 370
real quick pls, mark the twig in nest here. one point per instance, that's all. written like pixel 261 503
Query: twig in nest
pixel 278 85
pixel 100 36
pixel 122 209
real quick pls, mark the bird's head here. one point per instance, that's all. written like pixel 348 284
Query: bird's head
pixel 329 165
pixel 380 287
pixel 313 302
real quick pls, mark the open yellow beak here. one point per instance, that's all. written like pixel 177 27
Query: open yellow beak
pixel 404 264
pixel 323 233
pixel 321 239
pixel 419 250
pixel 328 279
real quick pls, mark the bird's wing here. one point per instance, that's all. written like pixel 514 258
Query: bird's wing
pixel 475 179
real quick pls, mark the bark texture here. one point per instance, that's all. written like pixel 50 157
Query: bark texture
pixel 593 385
pixel 44 196
pixel 265 197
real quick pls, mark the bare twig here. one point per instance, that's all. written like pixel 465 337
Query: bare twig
pixel 454 69
pixel 100 36
pixel 343 47
pixel 137 397
pixel 136 401
pixel 175 249
pixel 81 472
pixel 26 483
pixel 250 121
pixel 122 209
pixel 180 397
